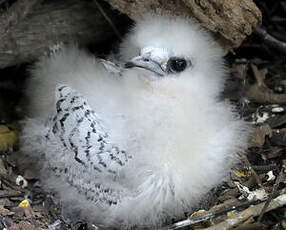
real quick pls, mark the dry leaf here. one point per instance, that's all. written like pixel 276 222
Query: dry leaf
pixel 257 138
pixel 259 92
pixel 24 211
pixel 8 138
pixel 5 212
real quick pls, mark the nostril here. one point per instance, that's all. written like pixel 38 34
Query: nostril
pixel 129 65
pixel 146 59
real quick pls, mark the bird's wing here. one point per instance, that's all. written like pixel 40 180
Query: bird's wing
pixel 77 128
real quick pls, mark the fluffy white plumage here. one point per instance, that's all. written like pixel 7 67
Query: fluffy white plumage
pixel 158 138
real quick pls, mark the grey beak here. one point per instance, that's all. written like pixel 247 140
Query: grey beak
pixel 145 63
pixel 129 65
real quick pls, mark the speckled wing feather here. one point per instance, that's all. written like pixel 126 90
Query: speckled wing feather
pixel 78 129
pixel 86 148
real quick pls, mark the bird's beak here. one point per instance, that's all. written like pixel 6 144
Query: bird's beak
pixel 146 64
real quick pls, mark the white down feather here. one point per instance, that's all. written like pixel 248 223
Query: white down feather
pixel 182 140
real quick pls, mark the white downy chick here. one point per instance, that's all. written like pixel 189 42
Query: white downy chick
pixel 141 147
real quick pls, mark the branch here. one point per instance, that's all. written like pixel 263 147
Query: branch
pixel 252 211
pixel 207 215
pixel 270 40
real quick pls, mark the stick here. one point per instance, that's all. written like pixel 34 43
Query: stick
pixel 270 40
pixel 208 215
pixel 252 211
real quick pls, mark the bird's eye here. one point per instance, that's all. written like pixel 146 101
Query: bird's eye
pixel 177 64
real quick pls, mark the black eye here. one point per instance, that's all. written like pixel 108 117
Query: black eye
pixel 177 64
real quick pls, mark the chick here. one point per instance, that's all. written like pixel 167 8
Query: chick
pixel 140 145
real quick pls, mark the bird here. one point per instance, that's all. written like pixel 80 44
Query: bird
pixel 140 140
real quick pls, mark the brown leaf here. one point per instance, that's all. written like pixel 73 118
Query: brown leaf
pixel 260 92
pixel 5 212
pixel 26 211
pixel 257 138
pixel 29 211
pixel 8 138
pixel 259 75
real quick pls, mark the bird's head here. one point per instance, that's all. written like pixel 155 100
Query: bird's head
pixel 170 47
pixel 158 62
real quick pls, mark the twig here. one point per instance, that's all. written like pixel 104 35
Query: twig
pixel 208 215
pixel 12 194
pixel 270 40
pixel 252 211
pixel 264 168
